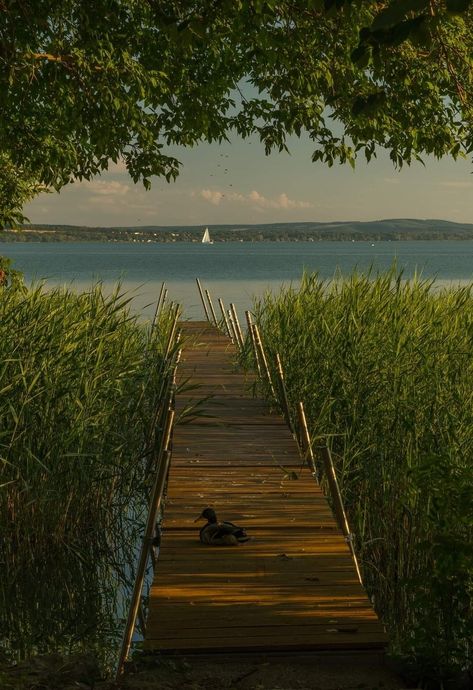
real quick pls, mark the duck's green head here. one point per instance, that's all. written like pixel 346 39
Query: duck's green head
pixel 207 514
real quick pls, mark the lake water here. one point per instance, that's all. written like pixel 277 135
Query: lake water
pixel 233 271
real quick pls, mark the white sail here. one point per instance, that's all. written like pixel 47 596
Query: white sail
pixel 206 237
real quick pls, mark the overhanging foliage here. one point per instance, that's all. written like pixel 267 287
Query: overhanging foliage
pixel 85 83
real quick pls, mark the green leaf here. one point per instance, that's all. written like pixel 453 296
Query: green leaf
pixel 361 55
pixel 458 6
pixel 396 12
pixel 402 31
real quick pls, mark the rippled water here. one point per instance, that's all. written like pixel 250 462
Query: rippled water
pixel 233 271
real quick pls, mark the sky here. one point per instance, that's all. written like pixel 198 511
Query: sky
pixel 237 183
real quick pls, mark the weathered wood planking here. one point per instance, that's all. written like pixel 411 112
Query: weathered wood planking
pixel 294 585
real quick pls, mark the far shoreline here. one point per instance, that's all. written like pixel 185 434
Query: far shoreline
pixel 387 230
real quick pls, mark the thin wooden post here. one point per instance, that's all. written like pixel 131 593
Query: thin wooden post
pixel 264 361
pixel 304 440
pixel 167 391
pixel 154 506
pixel 282 385
pixel 225 320
pixel 212 310
pixel 233 328
pixel 249 323
pixel 165 296
pixel 237 325
pixel 158 307
pixel 338 504
pixel 203 299
pixel 167 373
pixel 172 332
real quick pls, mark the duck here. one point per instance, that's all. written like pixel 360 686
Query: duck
pixel 216 533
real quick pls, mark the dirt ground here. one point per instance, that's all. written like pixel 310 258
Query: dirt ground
pixel 257 672
pixel 216 672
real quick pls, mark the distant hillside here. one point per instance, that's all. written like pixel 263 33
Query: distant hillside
pixel 389 229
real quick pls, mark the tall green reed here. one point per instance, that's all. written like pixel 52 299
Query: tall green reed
pixel 80 381
pixel 385 369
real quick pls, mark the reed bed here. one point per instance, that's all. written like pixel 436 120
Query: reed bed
pixel 384 367
pixel 80 380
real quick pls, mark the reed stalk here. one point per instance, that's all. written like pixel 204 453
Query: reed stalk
pixel 385 368
pixel 80 381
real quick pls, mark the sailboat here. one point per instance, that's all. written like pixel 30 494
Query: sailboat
pixel 206 237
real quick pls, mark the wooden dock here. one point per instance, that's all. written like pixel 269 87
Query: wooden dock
pixel 293 587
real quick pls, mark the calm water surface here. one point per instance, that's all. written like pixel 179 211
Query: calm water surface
pixel 233 271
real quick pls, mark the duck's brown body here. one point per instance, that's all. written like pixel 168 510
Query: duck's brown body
pixel 216 533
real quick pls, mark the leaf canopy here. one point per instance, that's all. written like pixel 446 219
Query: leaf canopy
pixel 83 84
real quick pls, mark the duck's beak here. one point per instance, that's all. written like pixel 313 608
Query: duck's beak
pixel 201 517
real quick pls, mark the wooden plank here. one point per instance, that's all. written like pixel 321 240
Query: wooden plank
pixel 309 563
pixel 320 517
pixel 268 631
pixel 275 474
pixel 293 585
pixel 288 643
pixel 207 613
pixel 297 578
pixel 331 626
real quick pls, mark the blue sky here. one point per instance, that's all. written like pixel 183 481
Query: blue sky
pixel 237 183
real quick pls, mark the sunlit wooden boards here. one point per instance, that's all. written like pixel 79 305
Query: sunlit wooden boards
pixel 293 586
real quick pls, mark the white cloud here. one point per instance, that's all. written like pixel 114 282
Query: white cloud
pixel 119 199
pixel 213 197
pixel 101 188
pixel 254 199
pixel 456 184
pixel 282 201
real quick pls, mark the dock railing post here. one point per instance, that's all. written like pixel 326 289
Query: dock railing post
pixel 154 506
pixel 249 323
pixel 338 503
pixel 207 315
pixel 305 443
pixel 158 307
pixel 233 328
pixel 224 317
pixel 264 361
pixel 237 325
pixel 166 375
pixel 172 332
pixel 282 386
pixel 212 310
pixel 162 418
